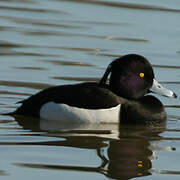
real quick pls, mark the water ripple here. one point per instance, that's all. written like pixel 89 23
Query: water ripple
pixel 126 5
pixel 90 79
pixel 34 9
pixel 24 84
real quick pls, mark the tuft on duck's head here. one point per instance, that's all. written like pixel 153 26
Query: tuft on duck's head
pixel 132 77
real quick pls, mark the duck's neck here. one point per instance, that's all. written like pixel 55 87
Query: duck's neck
pixel 118 91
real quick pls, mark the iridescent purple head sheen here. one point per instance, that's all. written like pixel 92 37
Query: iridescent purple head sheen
pixel 125 79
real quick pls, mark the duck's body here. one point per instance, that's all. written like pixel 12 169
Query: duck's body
pixel 123 98
pixel 85 102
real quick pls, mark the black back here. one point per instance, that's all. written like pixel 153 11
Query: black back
pixel 85 95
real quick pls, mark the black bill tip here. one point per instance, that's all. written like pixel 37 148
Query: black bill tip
pixel 174 95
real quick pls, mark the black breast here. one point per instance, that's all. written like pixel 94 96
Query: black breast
pixel 146 110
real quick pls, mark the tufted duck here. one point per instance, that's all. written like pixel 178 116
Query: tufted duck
pixel 122 98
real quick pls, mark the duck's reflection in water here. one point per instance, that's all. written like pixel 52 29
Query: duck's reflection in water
pixel 129 156
pixel 124 151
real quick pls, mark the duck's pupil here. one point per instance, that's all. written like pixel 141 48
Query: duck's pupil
pixel 141 75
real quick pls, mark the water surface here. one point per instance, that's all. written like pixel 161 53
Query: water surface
pixel 45 43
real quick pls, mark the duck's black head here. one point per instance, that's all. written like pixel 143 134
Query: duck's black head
pixel 132 77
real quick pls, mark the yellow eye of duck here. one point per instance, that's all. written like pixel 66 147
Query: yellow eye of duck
pixel 141 75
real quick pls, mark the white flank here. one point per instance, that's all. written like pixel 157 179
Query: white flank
pixel 70 114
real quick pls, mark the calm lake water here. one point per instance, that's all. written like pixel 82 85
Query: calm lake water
pixel 54 42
